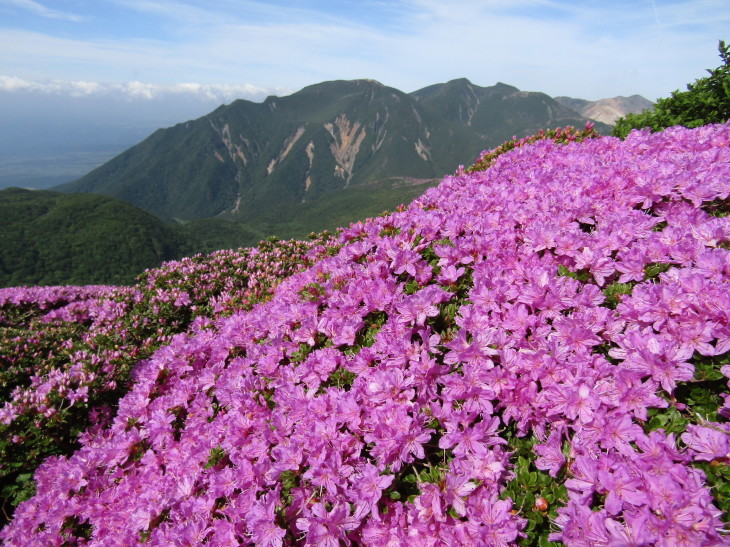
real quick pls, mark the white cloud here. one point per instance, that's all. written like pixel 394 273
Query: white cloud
pixel 588 50
pixel 39 9
pixel 58 87
pixel 141 91
pixel 13 83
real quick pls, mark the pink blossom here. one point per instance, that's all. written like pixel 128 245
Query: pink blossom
pixel 708 443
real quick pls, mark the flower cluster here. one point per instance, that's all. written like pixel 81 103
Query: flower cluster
pixel 67 352
pixel 562 135
pixel 547 321
pixel 18 304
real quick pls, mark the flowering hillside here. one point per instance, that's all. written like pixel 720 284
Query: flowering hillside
pixel 536 351
pixel 67 352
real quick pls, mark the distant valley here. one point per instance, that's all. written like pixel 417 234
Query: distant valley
pixel 34 170
pixel 50 138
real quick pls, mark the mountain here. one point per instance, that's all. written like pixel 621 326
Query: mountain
pixel 53 132
pixel 607 110
pixel 498 112
pixel 52 238
pixel 265 163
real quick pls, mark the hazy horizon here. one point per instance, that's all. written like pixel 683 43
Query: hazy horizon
pixel 54 135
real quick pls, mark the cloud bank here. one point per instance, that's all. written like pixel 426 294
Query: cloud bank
pixel 140 90
pixel 589 50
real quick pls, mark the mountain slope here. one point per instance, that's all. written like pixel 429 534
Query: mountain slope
pixel 247 157
pixel 256 162
pixel 498 112
pixel 607 110
pixel 51 238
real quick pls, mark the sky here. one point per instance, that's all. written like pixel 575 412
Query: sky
pixel 229 49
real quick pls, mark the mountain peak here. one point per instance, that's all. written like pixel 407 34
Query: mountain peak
pixel 338 85
pixel 459 81
pixel 607 110
pixel 368 81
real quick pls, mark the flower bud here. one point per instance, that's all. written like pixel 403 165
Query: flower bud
pixel 541 504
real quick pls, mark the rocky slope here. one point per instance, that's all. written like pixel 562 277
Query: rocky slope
pixel 607 110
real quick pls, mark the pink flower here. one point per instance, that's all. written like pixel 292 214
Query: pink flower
pixel 622 489
pixel 550 454
pixel 326 528
pixel 450 275
pixel 421 305
pixel 369 487
pixel 458 487
pixel 472 439
pixel 707 443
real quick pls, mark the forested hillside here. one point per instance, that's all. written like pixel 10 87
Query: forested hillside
pixel 51 238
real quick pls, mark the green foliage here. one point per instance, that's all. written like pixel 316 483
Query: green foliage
pixel 217 456
pixel 432 470
pixel 653 269
pixel 615 291
pixel 527 488
pixel 56 239
pixel 719 208
pixel 581 275
pixel 718 479
pixel 301 354
pixel 706 101
pixel 341 378
pixel 374 321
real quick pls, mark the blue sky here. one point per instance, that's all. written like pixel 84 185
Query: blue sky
pixel 584 48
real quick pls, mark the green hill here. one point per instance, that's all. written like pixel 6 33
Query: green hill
pixel 52 238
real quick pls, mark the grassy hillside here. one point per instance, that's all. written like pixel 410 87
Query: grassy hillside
pixel 51 238
pixel 337 208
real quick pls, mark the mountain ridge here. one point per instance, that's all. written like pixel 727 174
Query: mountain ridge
pixel 607 110
pixel 246 161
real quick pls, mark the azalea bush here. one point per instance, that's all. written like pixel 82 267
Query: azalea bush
pixel 534 352
pixel 561 135
pixel 67 352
